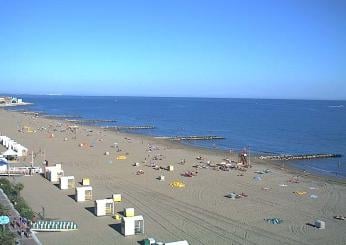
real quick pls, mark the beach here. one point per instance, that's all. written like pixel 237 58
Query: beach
pixel 199 213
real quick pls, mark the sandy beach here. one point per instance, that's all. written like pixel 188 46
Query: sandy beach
pixel 199 213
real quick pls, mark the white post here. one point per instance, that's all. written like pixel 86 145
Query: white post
pixel 32 159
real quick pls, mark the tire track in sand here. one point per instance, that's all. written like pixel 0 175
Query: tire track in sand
pixel 194 214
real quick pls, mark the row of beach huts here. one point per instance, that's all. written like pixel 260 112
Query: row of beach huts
pixel 14 149
pixel 14 152
pixel 131 224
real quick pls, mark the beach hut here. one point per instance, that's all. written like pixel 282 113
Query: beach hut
pixel 129 212
pixel 85 181
pixel 67 182
pixel 2 138
pixel 53 173
pixel 132 225
pixel 104 207
pixel 5 139
pixel 10 144
pixel 21 150
pixel 116 197
pixel 83 193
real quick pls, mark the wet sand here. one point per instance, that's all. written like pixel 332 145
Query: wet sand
pixel 198 213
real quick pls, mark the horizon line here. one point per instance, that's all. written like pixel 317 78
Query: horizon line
pixel 176 96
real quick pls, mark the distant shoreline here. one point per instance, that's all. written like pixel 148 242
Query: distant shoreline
pixel 15 104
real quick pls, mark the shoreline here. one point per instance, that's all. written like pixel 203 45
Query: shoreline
pixel 207 150
pixel 15 104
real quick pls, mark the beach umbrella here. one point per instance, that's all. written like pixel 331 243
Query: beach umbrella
pixel 9 152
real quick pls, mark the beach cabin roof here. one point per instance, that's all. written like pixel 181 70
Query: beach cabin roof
pixel 9 152
pixel 19 147
pixel 84 188
pixel 104 201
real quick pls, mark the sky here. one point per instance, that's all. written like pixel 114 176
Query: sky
pixel 238 49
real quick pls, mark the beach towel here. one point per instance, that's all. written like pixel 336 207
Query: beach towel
pixel 257 178
pixel 300 193
pixel 274 221
pixel 121 157
pixel 177 184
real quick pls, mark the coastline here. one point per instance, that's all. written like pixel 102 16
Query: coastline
pixel 16 104
pixel 203 196
pixel 203 150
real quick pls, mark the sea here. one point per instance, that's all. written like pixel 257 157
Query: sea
pixel 263 126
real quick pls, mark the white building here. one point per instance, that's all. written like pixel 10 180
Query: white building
pixel 67 182
pixel 53 173
pixel 21 150
pixel 132 225
pixel 104 207
pixel 84 193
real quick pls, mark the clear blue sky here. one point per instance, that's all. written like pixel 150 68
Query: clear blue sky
pixel 230 48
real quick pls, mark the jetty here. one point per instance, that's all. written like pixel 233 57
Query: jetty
pixel 128 127
pixel 90 121
pixel 299 157
pixel 193 137
pixel 60 116
pixel 35 113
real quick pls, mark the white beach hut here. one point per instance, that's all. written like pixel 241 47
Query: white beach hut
pixel 132 225
pixel 2 137
pixel 67 182
pixel 8 142
pixel 53 173
pixel 21 150
pixel 104 207
pixel 5 141
pixel 11 144
pixel 83 193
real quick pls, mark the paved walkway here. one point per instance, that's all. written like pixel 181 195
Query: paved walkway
pixel 15 215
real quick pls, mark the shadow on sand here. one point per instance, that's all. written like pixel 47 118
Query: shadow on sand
pixel 72 196
pixel 91 210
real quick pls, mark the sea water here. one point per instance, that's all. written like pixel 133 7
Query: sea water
pixel 262 125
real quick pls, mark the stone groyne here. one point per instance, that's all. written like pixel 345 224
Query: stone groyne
pixel 299 157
